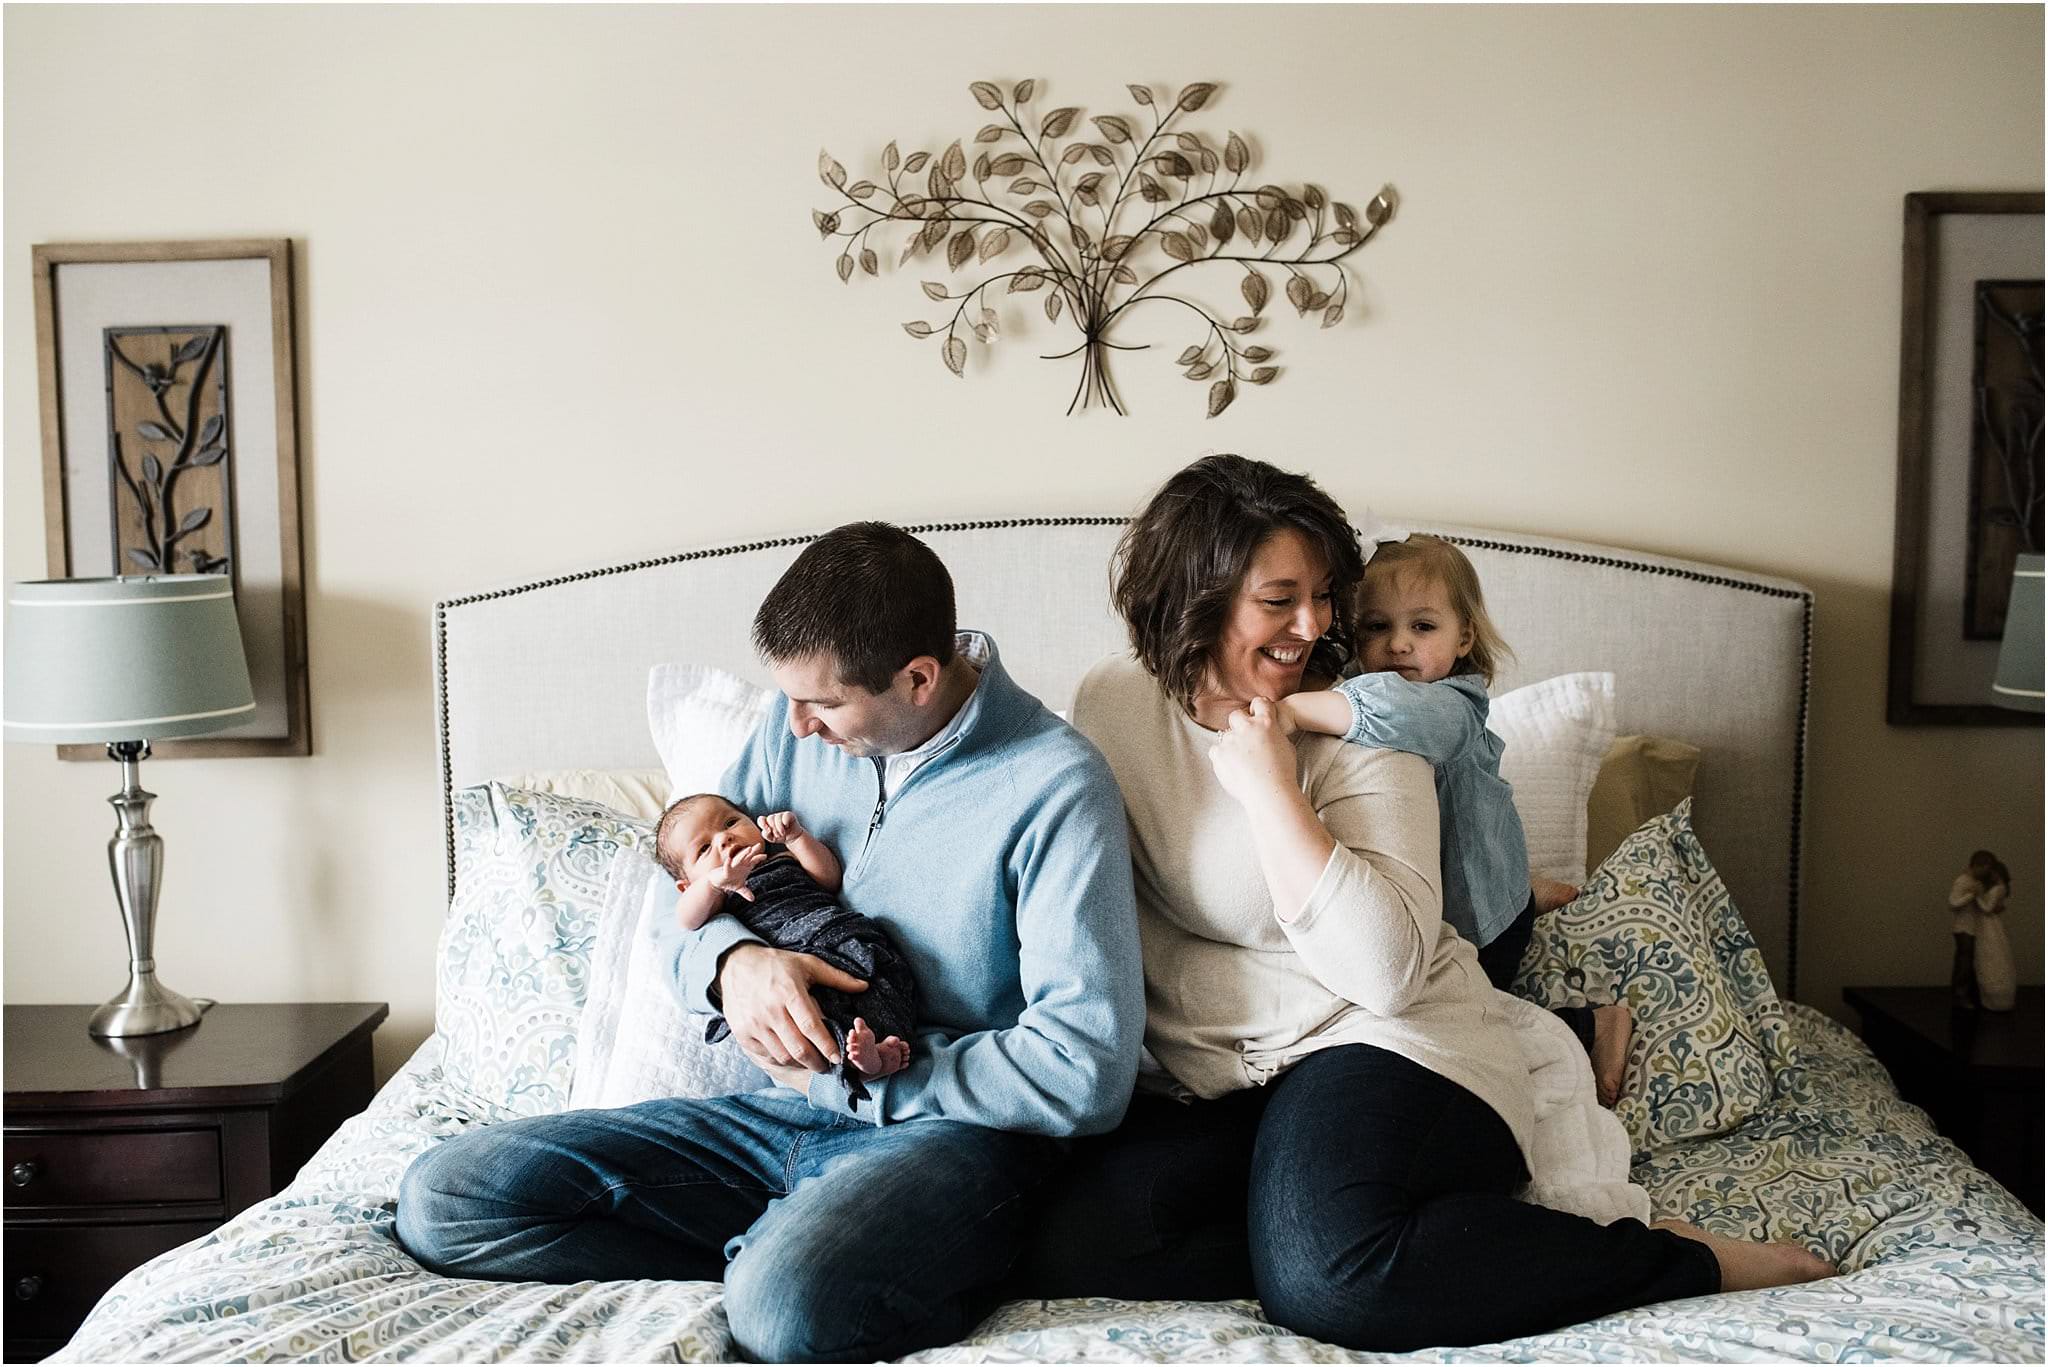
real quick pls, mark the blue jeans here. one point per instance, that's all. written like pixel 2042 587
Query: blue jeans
pixel 1363 1200
pixel 836 1240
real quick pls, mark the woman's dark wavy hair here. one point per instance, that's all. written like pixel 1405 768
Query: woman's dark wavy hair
pixel 1178 567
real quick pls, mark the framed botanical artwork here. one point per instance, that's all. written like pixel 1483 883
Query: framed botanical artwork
pixel 1970 463
pixel 170 445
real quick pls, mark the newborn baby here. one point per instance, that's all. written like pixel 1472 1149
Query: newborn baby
pixel 780 881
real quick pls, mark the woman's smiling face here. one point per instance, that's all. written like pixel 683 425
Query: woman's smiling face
pixel 1281 608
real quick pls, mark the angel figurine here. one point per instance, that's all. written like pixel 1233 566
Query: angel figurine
pixel 1982 973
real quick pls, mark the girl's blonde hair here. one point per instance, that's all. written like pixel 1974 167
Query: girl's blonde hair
pixel 1438 561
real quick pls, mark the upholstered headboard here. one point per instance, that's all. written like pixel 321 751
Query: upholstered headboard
pixel 552 673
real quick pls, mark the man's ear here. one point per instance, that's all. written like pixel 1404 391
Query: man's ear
pixel 924 673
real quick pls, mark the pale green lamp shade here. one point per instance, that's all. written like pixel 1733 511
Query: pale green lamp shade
pixel 144 658
pixel 2018 684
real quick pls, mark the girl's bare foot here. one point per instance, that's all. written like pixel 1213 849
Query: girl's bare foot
pixel 1613 1029
pixel 1747 1266
pixel 1551 894
pixel 871 1057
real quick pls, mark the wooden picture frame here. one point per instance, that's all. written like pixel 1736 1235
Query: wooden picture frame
pixel 95 303
pixel 1940 672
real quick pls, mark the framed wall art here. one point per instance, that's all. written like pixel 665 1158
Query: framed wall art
pixel 170 445
pixel 1970 463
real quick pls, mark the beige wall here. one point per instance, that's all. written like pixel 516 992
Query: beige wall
pixel 560 301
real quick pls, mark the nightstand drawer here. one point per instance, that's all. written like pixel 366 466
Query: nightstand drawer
pixel 111 1167
pixel 56 1273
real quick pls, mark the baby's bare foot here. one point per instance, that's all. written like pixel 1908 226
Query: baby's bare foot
pixel 862 1048
pixel 871 1057
pixel 1613 1029
pixel 1551 894
pixel 895 1055
pixel 1747 1266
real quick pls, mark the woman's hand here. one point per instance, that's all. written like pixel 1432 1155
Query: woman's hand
pixel 1253 757
pixel 1255 762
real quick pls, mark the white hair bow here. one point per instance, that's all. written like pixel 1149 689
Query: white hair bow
pixel 1374 533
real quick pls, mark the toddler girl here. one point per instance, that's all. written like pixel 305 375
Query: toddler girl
pixel 1429 651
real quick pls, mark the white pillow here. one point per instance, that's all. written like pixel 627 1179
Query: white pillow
pixel 701 718
pixel 635 1041
pixel 1557 732
pixel 636 792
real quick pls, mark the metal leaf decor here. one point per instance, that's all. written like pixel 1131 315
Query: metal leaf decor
pixel 1102 224
pixel 176 378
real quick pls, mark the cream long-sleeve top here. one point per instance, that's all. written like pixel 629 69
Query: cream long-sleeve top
pixel 1234 995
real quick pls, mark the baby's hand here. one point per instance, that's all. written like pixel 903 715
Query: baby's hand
pixel 782 827
pixel 731 873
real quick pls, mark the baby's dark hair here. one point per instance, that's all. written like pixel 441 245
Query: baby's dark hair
pixel 666 857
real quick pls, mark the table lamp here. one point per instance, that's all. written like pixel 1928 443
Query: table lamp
pixel 2018 682
pixel 127 661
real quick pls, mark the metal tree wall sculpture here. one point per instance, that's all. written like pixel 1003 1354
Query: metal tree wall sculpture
pixel 1109 219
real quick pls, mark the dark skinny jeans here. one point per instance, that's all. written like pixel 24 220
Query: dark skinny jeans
pixel 1362 1199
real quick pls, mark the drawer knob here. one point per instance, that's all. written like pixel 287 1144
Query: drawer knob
pixel 24 1172
pixel 28 1288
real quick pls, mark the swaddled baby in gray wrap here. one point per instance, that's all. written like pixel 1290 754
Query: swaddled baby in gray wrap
pixel 780 881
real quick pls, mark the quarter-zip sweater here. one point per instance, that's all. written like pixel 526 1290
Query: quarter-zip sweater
pixel 1001 868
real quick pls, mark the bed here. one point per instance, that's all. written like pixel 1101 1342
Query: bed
pixel 1938 1261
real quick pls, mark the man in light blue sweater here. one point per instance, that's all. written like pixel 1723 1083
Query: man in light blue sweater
pixel 989 839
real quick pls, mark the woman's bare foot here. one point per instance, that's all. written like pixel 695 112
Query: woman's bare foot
pixel 1747 1266
pixel 1613 1029
pixel 871 1057
pixel 1551 894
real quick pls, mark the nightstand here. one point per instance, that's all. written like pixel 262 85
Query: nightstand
pixel 118 1150
pixel 1977 1073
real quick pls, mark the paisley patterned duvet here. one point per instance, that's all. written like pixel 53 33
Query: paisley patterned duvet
pixel 1939 1262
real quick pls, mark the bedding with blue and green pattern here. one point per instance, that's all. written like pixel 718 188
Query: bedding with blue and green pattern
pixel 1797 1135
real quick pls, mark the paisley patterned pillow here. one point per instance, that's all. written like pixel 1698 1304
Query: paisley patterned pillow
pixel 514 962
pixel 1655 927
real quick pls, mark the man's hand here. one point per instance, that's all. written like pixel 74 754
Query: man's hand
pixel 781 827
pixel 788 1075
pixel 765 996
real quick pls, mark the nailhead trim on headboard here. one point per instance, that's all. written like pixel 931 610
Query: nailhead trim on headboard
pixel 996 524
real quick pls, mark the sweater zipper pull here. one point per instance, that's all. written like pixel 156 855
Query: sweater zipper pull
pixel 881 801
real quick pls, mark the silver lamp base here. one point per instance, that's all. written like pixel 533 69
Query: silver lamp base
pixel 136 856
pixel 146 1008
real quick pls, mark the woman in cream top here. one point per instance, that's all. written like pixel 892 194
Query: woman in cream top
pixel 1235 995
pixel 1339 1117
